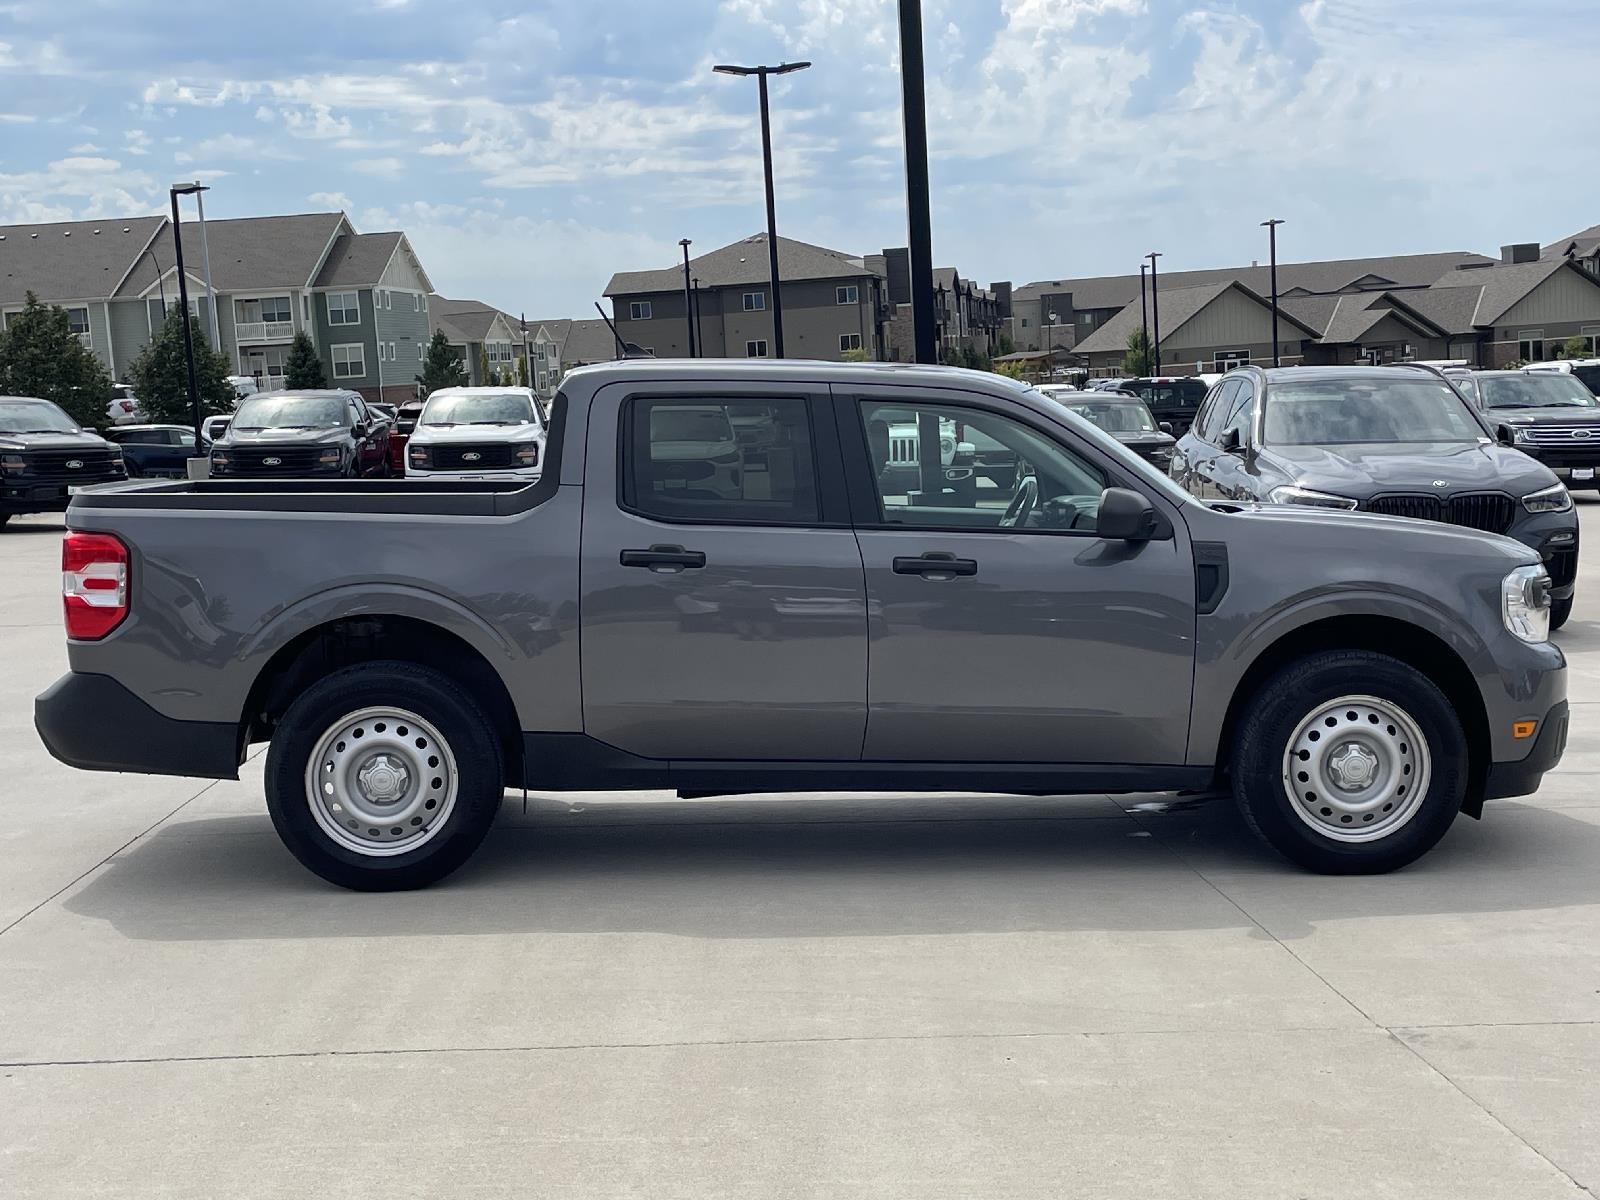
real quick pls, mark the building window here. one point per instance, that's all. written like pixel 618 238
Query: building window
pixel 350 361
pixel 391 352
pixel 344 308
pixel 424 304
pixel 305 308
pixel 755 301
pixel 78 323
pixel 847 295
pixel 849 341
pixel 1227 360
pixel 380 351
pixel 639 310
pixel 756 349
pixel 1591 335
pixel 1530 345
pixel 416 302
pixel 422 352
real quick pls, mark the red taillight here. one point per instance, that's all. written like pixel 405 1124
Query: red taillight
pixel 94 584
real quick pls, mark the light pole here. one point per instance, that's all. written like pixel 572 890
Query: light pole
pixel 1155 306
pixel 1049 340
pixel 914 103
pixel 761 74
pixel 1144 314
pixel 185 189
pixel 205 261
pixel 688 297
pixel 1272 250
pixel 699 329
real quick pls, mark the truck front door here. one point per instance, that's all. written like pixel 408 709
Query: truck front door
pixel 1006 630
pixel 723 609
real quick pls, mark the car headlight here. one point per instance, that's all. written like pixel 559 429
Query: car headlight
pixel 1289 494
pixel 526 454
pixel 13 463
pixel 219 458
pixel 1547 500
pixel 1525 603
pixel 1521 435
pixel 421 456
pixel 329 458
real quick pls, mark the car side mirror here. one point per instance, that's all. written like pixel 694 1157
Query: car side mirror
pixel 360 430
pixel 1125 516
pixel 1231 442
pixel 1505 435
pixel 1165 427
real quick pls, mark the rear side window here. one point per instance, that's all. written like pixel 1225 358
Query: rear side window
pixel 1217 409
pixel 740 462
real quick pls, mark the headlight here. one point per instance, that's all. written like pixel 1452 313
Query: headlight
pixel 13 463
pixel 526 454
pixel 328 458
pixel 1521 435
pixel 116 452
pixel 219 458
pixel 421 456
pixel 1289 494
pixel 1525 603
pixel 1550 499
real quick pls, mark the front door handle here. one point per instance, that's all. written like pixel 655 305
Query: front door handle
pixel 664 558
pixel 936 564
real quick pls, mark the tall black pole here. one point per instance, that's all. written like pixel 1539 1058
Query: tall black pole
pixel 772 218
pixel 699 329
pixel 1272 250
pixel 1155 307
pixel 183 308
pixel 914 101
pixel 688 298
pixel 1144 316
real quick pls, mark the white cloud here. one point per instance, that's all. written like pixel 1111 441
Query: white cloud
pixel 11 118
pixel 86 148
pixel 331 201
pixel 386 168
pixel 136 141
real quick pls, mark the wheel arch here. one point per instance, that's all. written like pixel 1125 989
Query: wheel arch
pixel 1415 645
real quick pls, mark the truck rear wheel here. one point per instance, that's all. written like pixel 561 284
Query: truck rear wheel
pixel 384 776
pixel 1350 763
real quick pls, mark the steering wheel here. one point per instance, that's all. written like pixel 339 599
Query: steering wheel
pixel 1022 504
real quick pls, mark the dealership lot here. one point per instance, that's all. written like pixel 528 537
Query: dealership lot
pixel 938 996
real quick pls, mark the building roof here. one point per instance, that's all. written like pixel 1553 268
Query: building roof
pixel 246 252
pixel 70 260
pixel 1499 287
pixel 588 341
pixel 743 262
pixel 1178 306
pixel 462 321
pixel 1582 244
pixel 1318 278
pixel 358 259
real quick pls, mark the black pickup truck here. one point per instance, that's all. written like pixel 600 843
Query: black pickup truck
pixel 43 454
pixel 303 434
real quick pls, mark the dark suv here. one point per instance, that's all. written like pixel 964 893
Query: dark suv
pixel 1551 416
pixel 296 434
pixel 1173 399
pixel 43 454
pixel 1381 440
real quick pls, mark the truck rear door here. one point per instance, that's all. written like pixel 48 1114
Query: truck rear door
pixel 724 610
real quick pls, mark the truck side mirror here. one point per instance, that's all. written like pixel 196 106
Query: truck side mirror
pixel 1505 435
pixel 1165 427
pixel 1125 516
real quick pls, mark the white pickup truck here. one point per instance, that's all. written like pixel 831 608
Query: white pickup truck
pixel 492 433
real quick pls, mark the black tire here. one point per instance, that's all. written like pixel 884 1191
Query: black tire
pixel 1560 610
pixel 5 518
pixel 469 737
pixel 1277 710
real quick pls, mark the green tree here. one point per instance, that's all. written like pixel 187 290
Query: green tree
pixel 1573 347
pixel 1005 345
pixel 41 356
pixel 161 380
pixel 483 365
pixel 522 371
pixel 1138 359
pixel 859 354
pixel 303 368
pixel 441 367
pixel 1011 370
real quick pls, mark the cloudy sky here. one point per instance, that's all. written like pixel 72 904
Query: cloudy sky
pixel 532 147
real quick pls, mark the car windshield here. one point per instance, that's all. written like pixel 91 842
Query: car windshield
pixel 1535 391
pixel 1117 416
pixel 479 408
pixel 34 416
pixel 689 425
pixel 1168 393
pixel 289 412
pixel 1344 411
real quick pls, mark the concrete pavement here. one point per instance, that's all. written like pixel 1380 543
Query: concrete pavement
pixel 757 997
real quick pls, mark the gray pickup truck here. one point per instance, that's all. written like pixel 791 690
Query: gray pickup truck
pixel 809 618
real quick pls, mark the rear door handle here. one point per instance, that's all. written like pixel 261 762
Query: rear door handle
pixel 664 558
pixel 937 564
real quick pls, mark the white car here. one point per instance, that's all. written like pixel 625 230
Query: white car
pixel 124 406
pixel 478 433
pixel 214 427
pixel 243 385
pixel 1587 370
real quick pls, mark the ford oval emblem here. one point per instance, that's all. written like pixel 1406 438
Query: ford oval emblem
pixel 272 462
pixel 1584 434
pixel 471 456
pixel 74 464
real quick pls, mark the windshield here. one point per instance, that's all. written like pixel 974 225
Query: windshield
pixel 478 408
pixel 34 416
pixel 689 425
pixel 289 412
pixel 1343 411
pixel 1117 416
pixel 1535 391
pixel 1171 393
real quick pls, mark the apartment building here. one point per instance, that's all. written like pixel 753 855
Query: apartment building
pixel 362 298
pixel 560 345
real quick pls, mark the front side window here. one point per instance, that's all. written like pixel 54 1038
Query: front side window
pixel 755 301
pixel 639 310
pixel 736 463
pixel 847 295
pixel 349 362
pixel 1028 480
pixel 1240 420
pixel 1347 411
pixel 756 349
pixel 344 308
pixel 1209 423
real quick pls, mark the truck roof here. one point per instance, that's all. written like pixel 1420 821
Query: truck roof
pixel 787 369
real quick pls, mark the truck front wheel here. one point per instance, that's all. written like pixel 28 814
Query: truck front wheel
pixel 383 776
pixel 1350 763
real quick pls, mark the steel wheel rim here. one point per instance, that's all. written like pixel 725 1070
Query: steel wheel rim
pixel 1357 769
pixel 381 782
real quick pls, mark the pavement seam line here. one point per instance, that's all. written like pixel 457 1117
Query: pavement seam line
pixel 68 886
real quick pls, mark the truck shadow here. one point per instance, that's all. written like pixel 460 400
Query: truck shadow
pixel 819 867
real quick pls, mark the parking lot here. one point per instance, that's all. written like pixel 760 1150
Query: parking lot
pixel 946 995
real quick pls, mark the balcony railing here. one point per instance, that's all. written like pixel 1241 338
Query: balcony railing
pixel 263 331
